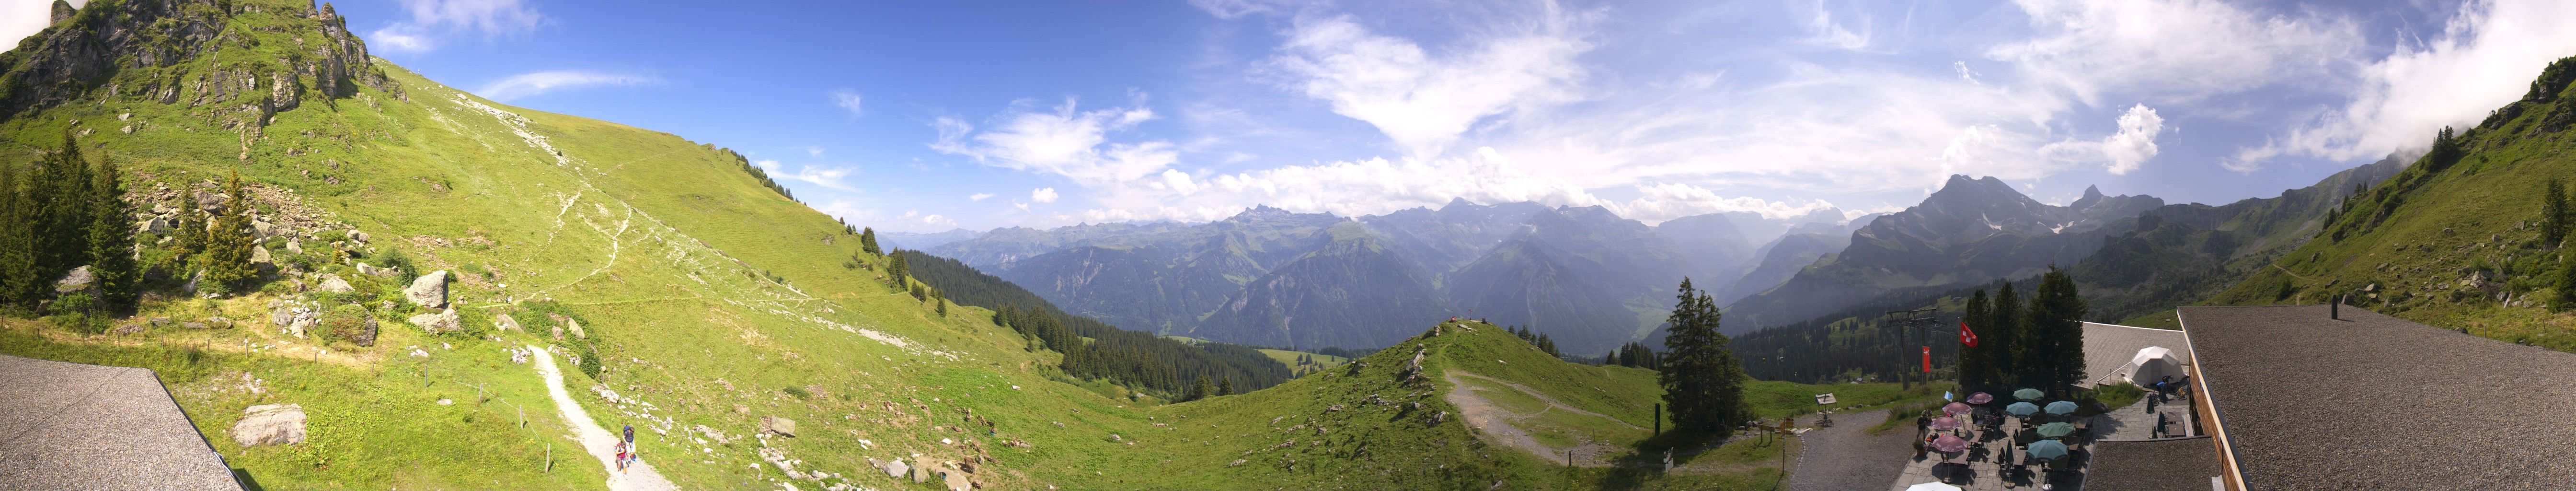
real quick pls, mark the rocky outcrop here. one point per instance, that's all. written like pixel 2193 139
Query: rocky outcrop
pixel 429 290
pixel 778 426
pixel 270 424
pixel 80 280
pixel 574 325
pixel 331 283
pixel 505 323
pixel 143 49
pixel 442 322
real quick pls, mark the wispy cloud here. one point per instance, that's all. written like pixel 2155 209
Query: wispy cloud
pixel 848 100
pixel 978 196
pixel 1061 140
pixel 2132 144
pixel 1426 99
pixel 429 21
pixel 1043 195
pixel 825 176
pixel 2484 58
pixel 531 84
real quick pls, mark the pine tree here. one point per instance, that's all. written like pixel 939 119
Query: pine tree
pixel 60 194
pixel 2056 333
pixel 896 271
pixel 2004 330
pixel 1225 386
pixel 1201 390
pixel 2565 299
pixel 942 301
pixel 20 285
pixel 111 240
pixel 2553 214
pixel 228 244
pixel 1977 364
pixel 1703 383
pixel 868 241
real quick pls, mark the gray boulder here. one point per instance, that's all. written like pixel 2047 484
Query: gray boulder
pixel 79 280
pixel 270 424
pixel 955 480
pixel 260 258
pixel 155 225
pixel 896 469
pixel 575 327
pixel 430 290
pixel 778 426
pixel 505 323
pixel 444 321
pixel 294 247
pixel 331 283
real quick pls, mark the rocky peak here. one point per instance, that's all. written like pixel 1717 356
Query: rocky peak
pixel 146 51
pixel 1258 212
pixel 62 10
pixel 2092 195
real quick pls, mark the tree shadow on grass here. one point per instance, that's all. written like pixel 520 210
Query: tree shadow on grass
pixel 247 482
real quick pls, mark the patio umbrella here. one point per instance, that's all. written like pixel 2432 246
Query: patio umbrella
pixel 2056 430
pixel 1980 398
pixel 1956 408
pixel 1931 486
pixel 1949 444
pixel 2047 449
pixel 2023 409
pixel 2061 408
pixel 1945 423
pixel 2029 394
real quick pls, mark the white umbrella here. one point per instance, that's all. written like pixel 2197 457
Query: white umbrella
pixel 1931 486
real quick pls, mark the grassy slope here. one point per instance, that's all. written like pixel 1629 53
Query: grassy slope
pixel 2440 228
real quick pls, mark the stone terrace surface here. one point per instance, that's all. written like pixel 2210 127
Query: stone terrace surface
pixel 2377 402
pixel 74 426
pixel 2171 464
pixel 2107 347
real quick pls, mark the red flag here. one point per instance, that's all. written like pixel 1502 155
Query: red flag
pixel 1927 359
pixel 1966 336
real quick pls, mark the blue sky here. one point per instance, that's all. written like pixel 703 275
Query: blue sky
pixel 924 116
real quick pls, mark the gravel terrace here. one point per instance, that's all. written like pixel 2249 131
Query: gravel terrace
pixel 1844 457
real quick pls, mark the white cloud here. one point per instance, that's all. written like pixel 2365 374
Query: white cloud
pixel 2123 150
pixel 978 196
pixel 1062 141
pixel 531 84
pixel 430 19
pixel 1233 9
pixel 1831 34
pixel 1424 99
pixel 1043 195
pixel 2485 57
pixel 1178 182
pixel 848 100
pixel 935 219
pixel 1666 201
pixel 825 176
pixel 814 151
pixel 2181 49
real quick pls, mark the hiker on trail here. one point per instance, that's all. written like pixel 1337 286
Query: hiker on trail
pixel 621 457
pixel 628 457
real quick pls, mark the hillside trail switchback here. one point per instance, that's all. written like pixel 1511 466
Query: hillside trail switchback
pixel 597 440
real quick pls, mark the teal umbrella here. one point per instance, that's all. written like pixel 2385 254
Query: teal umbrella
pixel 2029 394
pixel 2047 450
pixel 2024 409
pixel 2061 408
pixel 2056 430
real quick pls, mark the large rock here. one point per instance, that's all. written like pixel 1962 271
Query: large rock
pixel 574 325
pixel 294 247
pixel 79 280
pixel 430 290
pixel 955 480
pixel 444 321
pixel 505 323
pixel 896 469
pixel 270 424
pixel 260 258
pixel 778 426
pixel 364 334
pixel 331 283
pixel 155 225
pixel 368 270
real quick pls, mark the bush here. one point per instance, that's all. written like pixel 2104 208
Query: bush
pixel 799 392
pixel 78 312
pixel 349 322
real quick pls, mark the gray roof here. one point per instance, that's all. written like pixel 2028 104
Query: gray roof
pixel 2165 464
pixel 2377 402
pixel 2107 347
pixel 74 426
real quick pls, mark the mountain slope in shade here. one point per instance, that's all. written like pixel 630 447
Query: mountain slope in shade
pixel 1352 292
pixel 1712 243
pixel 918 241
pixel 1970 230
pixel 2180 254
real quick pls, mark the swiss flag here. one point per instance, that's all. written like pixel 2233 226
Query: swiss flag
pixel 1967 336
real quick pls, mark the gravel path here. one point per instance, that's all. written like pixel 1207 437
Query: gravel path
pixel 1844 457
pixel 599 441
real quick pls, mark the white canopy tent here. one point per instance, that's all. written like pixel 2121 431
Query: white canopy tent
pixel 2152 363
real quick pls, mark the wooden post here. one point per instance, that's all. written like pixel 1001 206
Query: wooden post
pixel 1659 420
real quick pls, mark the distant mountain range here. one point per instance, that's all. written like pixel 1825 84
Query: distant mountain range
pixel 1587 277
pixel 1971 230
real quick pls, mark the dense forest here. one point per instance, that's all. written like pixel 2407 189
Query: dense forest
pixel 1855 343
pixel 1137 358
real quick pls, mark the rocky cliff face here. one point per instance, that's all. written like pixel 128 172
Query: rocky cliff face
pixel 200 52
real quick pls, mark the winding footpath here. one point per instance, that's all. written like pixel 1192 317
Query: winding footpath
pixel 599 441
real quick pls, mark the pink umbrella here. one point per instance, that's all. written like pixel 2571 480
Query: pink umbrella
pixel 1949 444
pixel 1981 398
pixel 1945 423
pixel 1956 408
